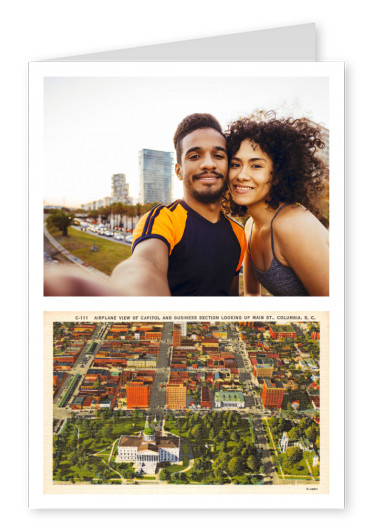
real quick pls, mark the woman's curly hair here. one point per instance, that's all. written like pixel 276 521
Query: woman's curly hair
pixel 292 144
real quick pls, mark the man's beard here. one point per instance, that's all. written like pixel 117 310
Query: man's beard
pixel 211 195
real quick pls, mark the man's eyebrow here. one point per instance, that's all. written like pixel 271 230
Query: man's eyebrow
pixel 198 148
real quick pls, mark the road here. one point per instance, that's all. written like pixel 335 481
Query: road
pixel 271 477
pixel 80 367
pixel 96 235
pixel 162 372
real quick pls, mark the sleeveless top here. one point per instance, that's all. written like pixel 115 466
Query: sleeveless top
pixel 279 280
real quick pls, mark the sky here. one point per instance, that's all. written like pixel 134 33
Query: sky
pixel 95 126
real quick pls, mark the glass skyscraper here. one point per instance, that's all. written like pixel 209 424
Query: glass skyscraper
pixel 156 171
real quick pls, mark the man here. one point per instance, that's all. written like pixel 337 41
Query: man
pixel 186 248
pixel 189 247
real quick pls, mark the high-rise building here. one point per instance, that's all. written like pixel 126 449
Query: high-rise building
pixel 120 194
pixel 155 176
pixel 120 188
pixel 272 394
pixel 176 396
pixel 138 395
pixel 176 336
pixel 263 368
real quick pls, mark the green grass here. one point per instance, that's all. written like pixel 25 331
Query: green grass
pixel 185 448
pixel 78 243
pixel 178 468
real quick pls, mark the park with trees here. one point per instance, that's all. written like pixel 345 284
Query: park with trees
pixel 222 447
pixel 297 460
pixel 84 451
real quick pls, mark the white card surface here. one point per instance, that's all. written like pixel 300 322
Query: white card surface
pixel 298 84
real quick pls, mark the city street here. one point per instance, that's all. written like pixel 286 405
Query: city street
pixel 158 393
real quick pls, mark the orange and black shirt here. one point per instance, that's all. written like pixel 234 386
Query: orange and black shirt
pixel 204 257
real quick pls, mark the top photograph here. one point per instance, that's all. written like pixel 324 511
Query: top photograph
pixel 186 185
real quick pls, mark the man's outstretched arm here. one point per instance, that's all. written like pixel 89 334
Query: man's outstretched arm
pixel 145 272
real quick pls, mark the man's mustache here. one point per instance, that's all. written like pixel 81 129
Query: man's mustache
pixel 218 175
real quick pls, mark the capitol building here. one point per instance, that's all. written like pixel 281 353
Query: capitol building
pixel 149 449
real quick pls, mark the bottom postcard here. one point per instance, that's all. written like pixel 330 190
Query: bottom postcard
pixel 186 403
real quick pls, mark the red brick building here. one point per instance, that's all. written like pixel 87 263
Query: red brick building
pixel 138 395
pixel 272 394
pixel 205 397
pixel 176 337
pixel 282 331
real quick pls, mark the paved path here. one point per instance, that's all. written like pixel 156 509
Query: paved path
pixel 275 449
pixel 63 255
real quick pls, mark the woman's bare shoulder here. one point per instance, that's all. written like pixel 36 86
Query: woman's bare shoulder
pixel 295 220
pixel 248 226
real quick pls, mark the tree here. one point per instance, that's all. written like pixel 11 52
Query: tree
pixel 235 451
pixel 196 432
pixel 293 456
pixel 234 466
pixel 311 433
pixel 164 475
pixel 223 446
pixel 283 425
pixel 129 473
pixel 222 435
pixel 235 436
pixel 253 463
pixel 107 431
pixel 60 220
pixel 294 434
pixel 303 423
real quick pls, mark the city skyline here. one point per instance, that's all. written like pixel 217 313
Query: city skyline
pixel 95 127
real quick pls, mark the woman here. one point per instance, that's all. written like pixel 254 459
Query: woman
pixel 276 178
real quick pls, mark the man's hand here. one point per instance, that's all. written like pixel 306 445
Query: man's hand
pixel 144 273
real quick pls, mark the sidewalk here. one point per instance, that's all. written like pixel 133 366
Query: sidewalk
pixel 76 261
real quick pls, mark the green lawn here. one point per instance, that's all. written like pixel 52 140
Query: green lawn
pixel 78 243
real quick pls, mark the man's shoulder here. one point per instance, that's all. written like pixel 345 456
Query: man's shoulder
pixel 161 211
pixel 237 227
pixel 165 222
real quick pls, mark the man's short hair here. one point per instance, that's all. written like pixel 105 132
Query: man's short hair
pixel 190 124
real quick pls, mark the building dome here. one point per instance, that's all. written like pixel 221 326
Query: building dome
pixel 149 434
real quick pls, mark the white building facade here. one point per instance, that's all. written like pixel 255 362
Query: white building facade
pixel 149 449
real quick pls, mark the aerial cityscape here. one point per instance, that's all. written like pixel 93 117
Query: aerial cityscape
pixel 201 403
